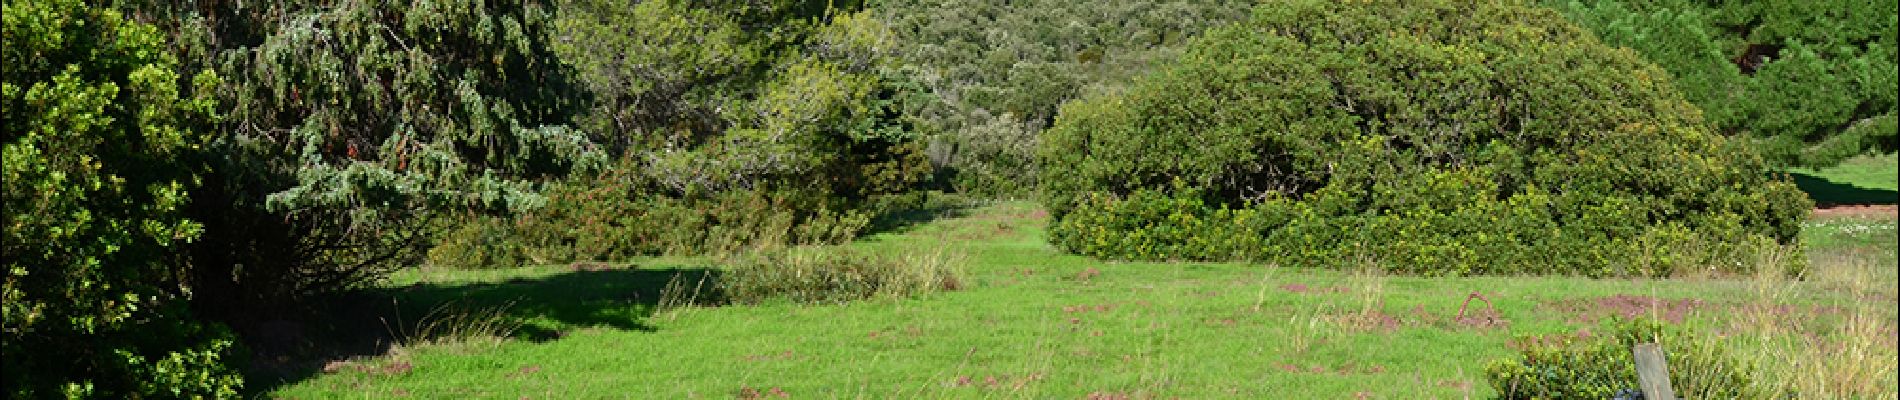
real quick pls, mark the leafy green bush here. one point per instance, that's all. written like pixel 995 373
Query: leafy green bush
pixel 728 136
pixel 1326 132
pixel 612 225
pixel 831 275
pixel 1599 367
pixel 95 127
pixel 1151 224
pixel 1809 82
pixel 477 241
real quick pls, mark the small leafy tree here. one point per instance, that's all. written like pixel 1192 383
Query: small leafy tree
pixel 95 127
pixel 1439 137
pixel 730 125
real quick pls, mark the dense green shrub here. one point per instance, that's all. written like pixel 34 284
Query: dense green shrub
pixel 833 275
pixel 1000 68
pixel 1810 82
pixel 476 241
pixel 605 223
pixel 1329 132
pixel 95 126
pixel 728 136
pixel 1601 366
pixel 1152 224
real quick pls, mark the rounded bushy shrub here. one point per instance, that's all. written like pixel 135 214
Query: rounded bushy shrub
pixel 1437 137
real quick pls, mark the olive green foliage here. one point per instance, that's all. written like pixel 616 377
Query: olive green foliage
pixel 1600 365
pixel 1001 68
pixel 827 275
pixel 1811 82
pixel 95 122
pixel 709 98
pixel 734 127
pixel 602 218
pixel 1422 136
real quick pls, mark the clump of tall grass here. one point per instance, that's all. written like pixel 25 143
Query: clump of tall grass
pixel 1844 350
pixel 1780 342
pixel 453 323
pixel 836 275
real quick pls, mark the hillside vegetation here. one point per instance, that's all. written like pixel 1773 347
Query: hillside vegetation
pixel 213 199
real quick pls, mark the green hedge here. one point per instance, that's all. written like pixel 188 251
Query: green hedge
pixel 1500 139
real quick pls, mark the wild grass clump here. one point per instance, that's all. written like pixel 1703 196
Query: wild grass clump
pixel 829 275
pixel 452 323
pixel 1777 342
pixel 1835 351
pixel 1600 366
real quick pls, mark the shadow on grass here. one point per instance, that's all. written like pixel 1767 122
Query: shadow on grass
pixel 936 207
pixel 1829 193
pixel 371 322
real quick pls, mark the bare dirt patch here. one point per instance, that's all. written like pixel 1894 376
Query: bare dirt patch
pixel 1591 310
pixel 1303 289
pixel 1857 210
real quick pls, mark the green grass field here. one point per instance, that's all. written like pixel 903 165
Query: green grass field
pixel 1033 322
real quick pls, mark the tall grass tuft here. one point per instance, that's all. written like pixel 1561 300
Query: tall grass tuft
pixel 1845 350
pixel 452 323
pixel 836 275
pixel 679 295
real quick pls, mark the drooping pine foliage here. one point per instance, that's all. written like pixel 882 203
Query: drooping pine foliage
pixel 95 127
pixel 348 125
pixel 1436 137
pixel 1809 82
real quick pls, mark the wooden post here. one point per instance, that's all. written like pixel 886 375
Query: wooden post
pixel 1652 372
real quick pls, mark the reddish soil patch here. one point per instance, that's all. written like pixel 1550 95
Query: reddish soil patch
pixel 1087 274
pixel 1347 369
pixel 750 393
pixel 1485 318
pixel 1004 381
pixel 1626 306
pixel 1856 210
pixel 1302 288
pixel 1086 308
pixel 1372 320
